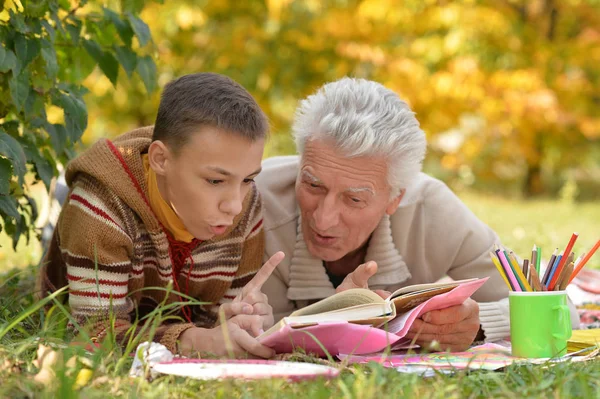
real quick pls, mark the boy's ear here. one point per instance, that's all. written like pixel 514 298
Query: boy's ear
pixel 158 157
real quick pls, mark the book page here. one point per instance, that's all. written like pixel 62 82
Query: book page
pixel 422 287
pixel 341 300
pixel 412 300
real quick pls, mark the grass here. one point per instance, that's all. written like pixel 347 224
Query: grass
pixel 520 224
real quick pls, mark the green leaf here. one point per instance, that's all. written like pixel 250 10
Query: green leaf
pixel 49 55
pixel 106 61
pixel 43 168
pixel 34 106
pixel 27 50
pixel 19 89
pixel 5 175
pixel 11 149
pixel 58 136
pixel 140 28
pixel 49 29
pixel 127 58
pixel 122 26
pixel 147 71
pixel 18 22
pixel 8 206
pixel 75 114
pixel 73 26
pixel 8 60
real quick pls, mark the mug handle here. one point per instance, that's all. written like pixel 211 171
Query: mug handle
pixel 565 332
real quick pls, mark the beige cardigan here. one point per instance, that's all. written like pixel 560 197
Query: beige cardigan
pixel 431 235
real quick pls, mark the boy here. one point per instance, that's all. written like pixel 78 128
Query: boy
pixel 174 203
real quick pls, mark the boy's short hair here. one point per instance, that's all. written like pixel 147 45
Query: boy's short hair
pixel 207 99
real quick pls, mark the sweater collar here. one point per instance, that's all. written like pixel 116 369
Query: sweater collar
pixel 308 278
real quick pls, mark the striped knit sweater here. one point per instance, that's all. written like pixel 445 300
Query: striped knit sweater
pixel 109 247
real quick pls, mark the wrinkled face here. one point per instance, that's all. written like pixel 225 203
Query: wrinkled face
pixel 206 181
pixel 341 199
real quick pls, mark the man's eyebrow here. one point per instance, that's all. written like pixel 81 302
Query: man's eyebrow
pixel 360 190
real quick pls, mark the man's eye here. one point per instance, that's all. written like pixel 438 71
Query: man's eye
pixel 314 185
pixel 214 182
pixel 248 181
pixel 356 200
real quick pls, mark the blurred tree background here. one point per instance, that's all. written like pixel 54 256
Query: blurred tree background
pixel 508 91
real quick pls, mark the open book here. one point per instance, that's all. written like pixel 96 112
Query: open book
pixel 362 318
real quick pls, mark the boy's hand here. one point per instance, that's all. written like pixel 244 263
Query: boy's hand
pixel 251 301
pixel 236 337
pixel 359 278
pixel 453 328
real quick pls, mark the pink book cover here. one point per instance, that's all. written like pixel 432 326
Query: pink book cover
pixel 348 338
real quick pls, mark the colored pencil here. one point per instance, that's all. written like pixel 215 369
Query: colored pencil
pixel 562 276
pixel 534 255
pixel 553 271
pixel 549 267
pixel 509 272
pixel 584 260
pixel 564 281
pixel 521 276
pixel 526 268
pixel 535 279
pixel 501 271
pixel 562 263
pixel 538 260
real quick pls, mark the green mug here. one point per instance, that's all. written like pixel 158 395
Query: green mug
pixel 540 323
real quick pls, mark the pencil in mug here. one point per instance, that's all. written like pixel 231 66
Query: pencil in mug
pixel 535 279
pixel 534 255
pixel 564 280
pixel 520 275
pixel 563 262
pixel 581 264
pixel 538 260
pixel 549 267
pixel 509 272
pixel 553 271
pixel 501 271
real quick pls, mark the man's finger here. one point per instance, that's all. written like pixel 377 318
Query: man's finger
pixel 466 326
pixel 263 274
pixel 453 314
pixel 360 277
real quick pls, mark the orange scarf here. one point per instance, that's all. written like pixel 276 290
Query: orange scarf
pixel 163 210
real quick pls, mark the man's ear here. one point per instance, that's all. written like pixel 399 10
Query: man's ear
pixel 393 205
pixel 158 157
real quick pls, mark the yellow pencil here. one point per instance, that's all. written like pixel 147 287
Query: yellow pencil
pixel 501 270
pixel 513 260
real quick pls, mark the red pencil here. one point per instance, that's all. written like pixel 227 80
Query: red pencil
pixel 563 261
pixel 581 264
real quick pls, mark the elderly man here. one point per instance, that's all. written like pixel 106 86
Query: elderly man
pixel 355 207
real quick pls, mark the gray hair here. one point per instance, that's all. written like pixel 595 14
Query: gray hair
pixel 364 118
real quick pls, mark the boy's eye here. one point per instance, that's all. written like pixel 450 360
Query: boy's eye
pixel 248 181
pixel 214 182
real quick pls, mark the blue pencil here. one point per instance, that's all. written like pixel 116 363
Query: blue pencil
pixel 554 266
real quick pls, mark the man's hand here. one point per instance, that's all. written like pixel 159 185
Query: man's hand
pixel 236 338
pixel 251 301
pixel 359 278
pixel 453 328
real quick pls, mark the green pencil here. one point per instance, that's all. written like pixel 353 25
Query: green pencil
pixel 539 257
